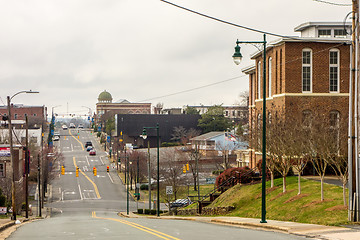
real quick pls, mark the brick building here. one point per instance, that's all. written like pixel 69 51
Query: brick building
pixel 306 76
pixel 36 114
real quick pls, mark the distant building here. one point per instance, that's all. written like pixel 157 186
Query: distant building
pixel 105 105
pixel 234 113
pixel 131 126
pixel 36 114
pixel 6 172
pixel 171 111
pixel 217 142
pixel 305 77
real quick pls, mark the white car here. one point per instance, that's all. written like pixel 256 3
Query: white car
pixel 56 138
pixel 64 127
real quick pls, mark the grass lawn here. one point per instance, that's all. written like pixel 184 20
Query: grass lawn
pixel 288 206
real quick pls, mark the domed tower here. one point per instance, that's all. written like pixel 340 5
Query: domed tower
pixel 105 97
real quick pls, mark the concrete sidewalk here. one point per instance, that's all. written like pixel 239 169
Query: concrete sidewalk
pixel 301 229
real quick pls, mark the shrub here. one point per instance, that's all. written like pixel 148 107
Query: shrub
pixel 241 175
pixel 170 144
pixel 140 211
pixel 217 172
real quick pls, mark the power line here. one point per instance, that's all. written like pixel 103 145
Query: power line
pixel 229 23
pixel 332 3
pixel 193 89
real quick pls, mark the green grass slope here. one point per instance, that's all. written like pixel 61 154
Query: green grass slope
pixel 304 208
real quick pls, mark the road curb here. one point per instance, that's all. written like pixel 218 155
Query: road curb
pixel 257 225
pixel 6 225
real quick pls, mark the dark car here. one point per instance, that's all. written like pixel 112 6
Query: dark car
pixel 180 203
pixel 89 148
pixel 88 144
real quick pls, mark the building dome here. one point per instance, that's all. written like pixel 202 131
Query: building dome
pixel 105 97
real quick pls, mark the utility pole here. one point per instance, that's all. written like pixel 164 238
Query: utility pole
pixel 39 186
pixel 27 166
pixel 12 162
pixel 353 156
pixel 149 174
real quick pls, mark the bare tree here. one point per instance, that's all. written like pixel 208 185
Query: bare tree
pixel 279 145
pixel 171 168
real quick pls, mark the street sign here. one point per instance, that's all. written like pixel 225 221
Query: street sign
pixel 3 210
pixel 169 190
pixel 210 180
pixel 108 139
pixel 99 128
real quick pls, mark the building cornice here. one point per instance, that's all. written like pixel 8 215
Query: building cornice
pixel 306 95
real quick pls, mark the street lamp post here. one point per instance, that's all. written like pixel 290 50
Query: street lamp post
pixel 144 136
pixel 12 151
pixel 237 59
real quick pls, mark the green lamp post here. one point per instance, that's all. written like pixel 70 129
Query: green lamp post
pixel 237 59
pixel 144 136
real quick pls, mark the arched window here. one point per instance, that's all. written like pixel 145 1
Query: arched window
pixel 334 70
pixel 306 70
pixel 270 71
pixel 280 72
pixel 259 80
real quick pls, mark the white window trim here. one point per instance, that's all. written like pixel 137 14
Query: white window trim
pixel 259 79
pixel 311 71
pixel 270 73
pixel 338 69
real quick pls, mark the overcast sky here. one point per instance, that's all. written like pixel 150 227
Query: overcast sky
pixel 71 50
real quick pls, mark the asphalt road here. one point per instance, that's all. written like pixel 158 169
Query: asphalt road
pixel 86 206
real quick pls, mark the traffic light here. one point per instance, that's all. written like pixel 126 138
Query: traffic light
pixel 184 169
pixel 77 171
pixel 187 167
pixel 62 170
pixel 107 169
pixel 95 171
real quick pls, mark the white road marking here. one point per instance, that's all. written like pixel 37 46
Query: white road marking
pixel 81 197
pixel 68 173
pixel 87 159
pixel 85 168
pixel 110 178
pixel 102 161
pixel 100 176
pixel 72 148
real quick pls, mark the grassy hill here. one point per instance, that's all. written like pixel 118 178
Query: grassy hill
pixel 305 208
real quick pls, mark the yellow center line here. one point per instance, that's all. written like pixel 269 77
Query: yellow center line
pixel 82 146
pixel 138 226
pixel 95 187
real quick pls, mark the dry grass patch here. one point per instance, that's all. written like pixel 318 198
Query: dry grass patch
pixel 337 208
pixel 281 194
pixel 268 190
pixel 317 202
pixel 296 197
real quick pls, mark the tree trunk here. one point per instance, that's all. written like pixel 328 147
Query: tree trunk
pixel 195 185
pixel 299 183
pixel 322 187
pixel 272 179
pixel 344 193
pixel 284 183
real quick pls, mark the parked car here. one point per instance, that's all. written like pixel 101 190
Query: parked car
pixel 89 148
pixel 56 138
pixel 92 152
pixel 88 143
pixel 180 203
pixel 64 127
